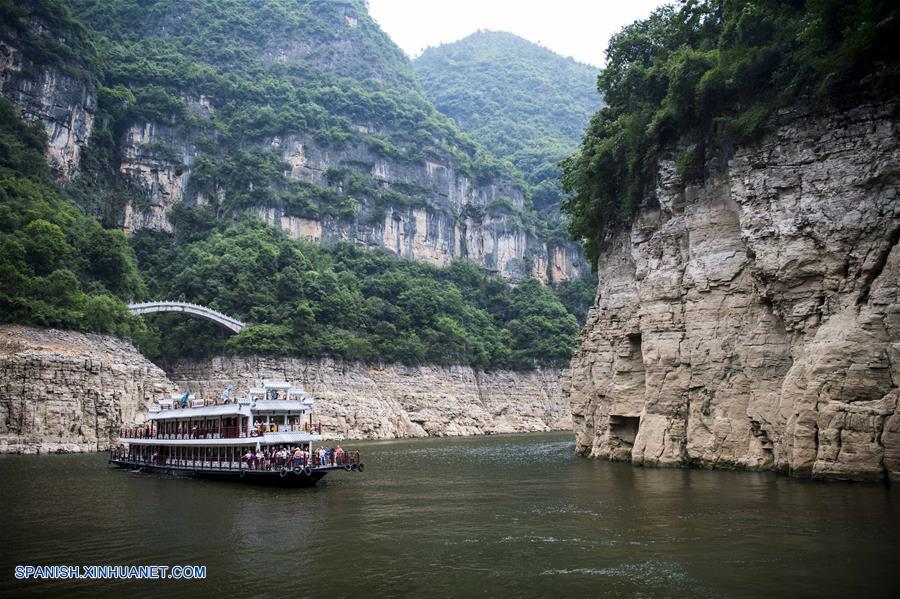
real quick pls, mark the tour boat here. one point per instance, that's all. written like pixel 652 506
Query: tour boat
pixel 235 439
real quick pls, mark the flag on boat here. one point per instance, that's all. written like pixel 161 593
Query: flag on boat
pixel 184 398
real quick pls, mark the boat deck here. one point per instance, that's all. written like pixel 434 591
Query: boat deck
pixel 299 476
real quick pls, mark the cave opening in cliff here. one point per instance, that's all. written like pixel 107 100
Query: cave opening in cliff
pixel 624 429
pixel 634 342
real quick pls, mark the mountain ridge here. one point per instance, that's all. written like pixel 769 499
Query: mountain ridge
pixel 522 101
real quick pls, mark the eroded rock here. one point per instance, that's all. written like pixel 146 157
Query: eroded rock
pixel 365 401
pixel 64 392
pixel 753 321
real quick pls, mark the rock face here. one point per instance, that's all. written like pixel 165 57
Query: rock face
pixel 382 402
pixel 159 159
pixel 454 218
pixel 63 100
pixel 62 391
pixel 753 321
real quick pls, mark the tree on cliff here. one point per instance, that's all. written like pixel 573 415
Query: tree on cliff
pixel 346 302
pixel 58 267
pixel 705 76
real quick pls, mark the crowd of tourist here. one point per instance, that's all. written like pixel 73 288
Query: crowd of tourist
pixel 278 457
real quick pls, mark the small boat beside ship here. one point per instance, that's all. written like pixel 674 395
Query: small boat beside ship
pixel 267 437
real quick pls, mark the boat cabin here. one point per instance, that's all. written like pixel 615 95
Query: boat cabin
pixel 269 432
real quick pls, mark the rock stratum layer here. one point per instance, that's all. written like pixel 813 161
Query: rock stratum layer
pixel 364 401
pixel 62 391
pixel 753 321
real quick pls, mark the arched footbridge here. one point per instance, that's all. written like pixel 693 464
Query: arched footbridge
pixel 224 320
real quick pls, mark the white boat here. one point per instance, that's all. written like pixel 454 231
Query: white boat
pixel 266 437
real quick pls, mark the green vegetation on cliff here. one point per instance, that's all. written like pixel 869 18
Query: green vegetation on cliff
pixel 519 100
pixel 62 41
pixel 319 70
pixel 344 301
pixel 58 267
pixel 702 77
pixel 323 71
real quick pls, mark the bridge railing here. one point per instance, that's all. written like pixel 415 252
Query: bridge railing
pixel 189 308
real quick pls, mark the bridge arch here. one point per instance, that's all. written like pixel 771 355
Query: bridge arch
pixel 232 324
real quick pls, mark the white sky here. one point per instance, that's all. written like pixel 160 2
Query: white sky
pixel 577 28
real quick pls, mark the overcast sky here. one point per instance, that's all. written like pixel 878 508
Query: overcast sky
pixel 576 28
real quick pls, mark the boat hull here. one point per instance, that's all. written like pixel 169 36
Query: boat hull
pixel 258 477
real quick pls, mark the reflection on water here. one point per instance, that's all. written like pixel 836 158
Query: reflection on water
pixel 509 515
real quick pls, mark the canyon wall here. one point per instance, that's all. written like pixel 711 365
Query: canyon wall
pixel 62 391
pixel 445 214
pixel 753 320
pixel 62 99
pixel 364 401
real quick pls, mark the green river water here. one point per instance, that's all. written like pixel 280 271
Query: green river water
pixel 516 515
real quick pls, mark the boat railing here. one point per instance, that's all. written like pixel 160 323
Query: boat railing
pixel 225 432
pixel 347 459
pixel 289 428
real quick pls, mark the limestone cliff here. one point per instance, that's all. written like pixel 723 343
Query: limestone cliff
pixel 753 320
pixel 383 402
pixel 62 391
pixel 453 216
pixel 61 96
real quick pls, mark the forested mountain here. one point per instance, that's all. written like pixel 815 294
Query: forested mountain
pixel 521 101
pixel 321 106
pixel 185 124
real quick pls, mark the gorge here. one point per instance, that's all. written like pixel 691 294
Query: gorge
pixel 310 182
pixel 551 329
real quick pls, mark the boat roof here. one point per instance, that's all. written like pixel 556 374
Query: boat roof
pixel 227 409
pixel 269 384
pixel 286 438
pixel 281 405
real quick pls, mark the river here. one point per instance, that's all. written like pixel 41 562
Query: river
pixel 516 515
